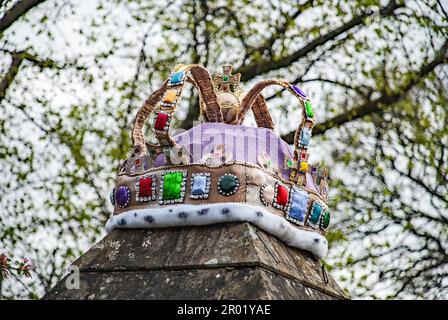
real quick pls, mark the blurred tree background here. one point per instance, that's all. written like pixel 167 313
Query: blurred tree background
pixel 73 74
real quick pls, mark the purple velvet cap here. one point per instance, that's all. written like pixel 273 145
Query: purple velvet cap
pixel 241 143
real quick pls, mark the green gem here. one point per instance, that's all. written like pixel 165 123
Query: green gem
pixel 228 184
pixel 172 185
pixel 326 219
pixel 225 78
pixel 315 214
pixel 289 163
pixel 309 109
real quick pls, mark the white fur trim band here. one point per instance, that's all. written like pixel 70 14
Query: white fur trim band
pixel 204 214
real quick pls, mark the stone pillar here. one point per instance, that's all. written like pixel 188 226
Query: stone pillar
pixel 222 261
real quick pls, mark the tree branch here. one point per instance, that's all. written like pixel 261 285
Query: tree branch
pixel 280 30
pixel 17 10
pixel 13 69
pixel 376 106
pixel 17 59
pixel 338 83
pixel 256 68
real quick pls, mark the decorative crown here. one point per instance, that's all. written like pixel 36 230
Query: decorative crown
pixel 222 171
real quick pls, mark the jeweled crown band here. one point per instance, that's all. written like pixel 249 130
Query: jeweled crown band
pixel 233 183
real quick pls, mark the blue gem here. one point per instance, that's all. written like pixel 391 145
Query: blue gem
pixel 199 185
pixel 299 91
pixel 315 213
pixel 305 137
pixel 176 78
pixel 299 203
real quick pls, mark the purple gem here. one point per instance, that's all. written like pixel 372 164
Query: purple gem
pixel 313 169
pixel 299 91
pixel 123 196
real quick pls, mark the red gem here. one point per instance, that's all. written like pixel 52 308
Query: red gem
pixel 161 121
pixel 282 195
pixel 303 155
pixel 138 162
pixel 145 187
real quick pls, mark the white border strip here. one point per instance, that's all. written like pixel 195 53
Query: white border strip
pixel 198 215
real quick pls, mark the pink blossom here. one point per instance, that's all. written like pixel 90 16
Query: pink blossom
pixel 3 259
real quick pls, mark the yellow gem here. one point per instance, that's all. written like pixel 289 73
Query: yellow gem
pixel 170 96
pixel 303 166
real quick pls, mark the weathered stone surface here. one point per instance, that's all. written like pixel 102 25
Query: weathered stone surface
pixel 223 261
pixel 187 285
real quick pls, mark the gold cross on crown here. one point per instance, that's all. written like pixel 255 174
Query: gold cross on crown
pixel 223 81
